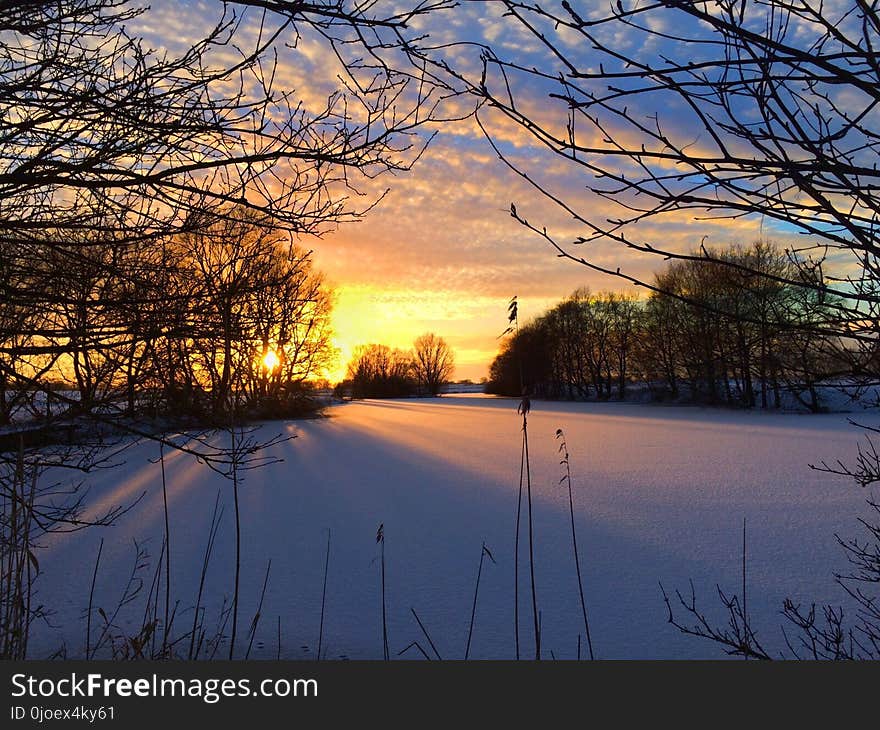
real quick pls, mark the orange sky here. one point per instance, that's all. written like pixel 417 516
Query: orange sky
pixel 442 254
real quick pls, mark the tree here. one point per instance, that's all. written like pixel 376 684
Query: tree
pixel 290 323
pixel 715 334
pixel 581 347
pixel 657 350
pixel 433 362
pixel 253 292
pixel 523 363
pixel 102 123
pixel 624 312
pixel 377 371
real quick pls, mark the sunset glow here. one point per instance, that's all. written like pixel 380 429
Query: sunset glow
pixel 441 252
pixel 271 360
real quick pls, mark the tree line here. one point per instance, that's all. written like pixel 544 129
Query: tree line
pixel 378 371
pixel 229 316
pixel 741 326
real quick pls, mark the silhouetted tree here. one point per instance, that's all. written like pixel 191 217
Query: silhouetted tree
pixel 715 334
pixel 523 364
pixel 255 292
pixel 377 371
pixel 433 362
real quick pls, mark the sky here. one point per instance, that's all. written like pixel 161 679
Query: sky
pixel 441 252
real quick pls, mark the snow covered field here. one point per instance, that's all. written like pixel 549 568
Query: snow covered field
pixel 660 494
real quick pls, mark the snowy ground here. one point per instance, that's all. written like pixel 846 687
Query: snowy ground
pixel 660 494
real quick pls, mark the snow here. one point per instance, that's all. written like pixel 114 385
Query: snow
pixel 660 494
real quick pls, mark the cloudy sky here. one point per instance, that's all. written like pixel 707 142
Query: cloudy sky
pixel 441 252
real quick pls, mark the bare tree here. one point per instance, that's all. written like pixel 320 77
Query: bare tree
pixel 259 315
pixel 433 362
pixel 377 371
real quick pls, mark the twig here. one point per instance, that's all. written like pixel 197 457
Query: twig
pixel 425 632
pixel 323 598
pixel 209 549
pixel 256 620
pixel 563 448
pixel 483 552
pixel 524 408
pixel 91 597
pixel 380 538
pixel 167 551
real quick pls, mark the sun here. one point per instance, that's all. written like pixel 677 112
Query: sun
pixel 270 360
